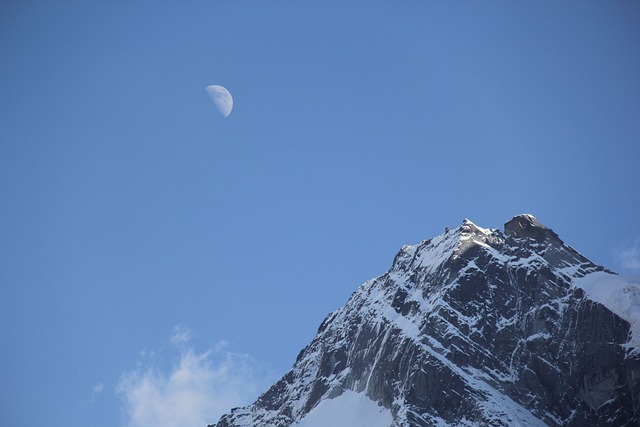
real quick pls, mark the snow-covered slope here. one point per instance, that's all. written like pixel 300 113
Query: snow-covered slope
pixel 474 327
pixel 620 294
pixel 350 409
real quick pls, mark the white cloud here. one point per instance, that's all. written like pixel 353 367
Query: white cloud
pixel 196 391
pixel 629 257
pixel 181 335
pixel 96 390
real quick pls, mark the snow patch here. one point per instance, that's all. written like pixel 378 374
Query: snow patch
pixel 350 409
pixel 620 294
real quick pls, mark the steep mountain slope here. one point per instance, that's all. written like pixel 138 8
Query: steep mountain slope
pixel 473 327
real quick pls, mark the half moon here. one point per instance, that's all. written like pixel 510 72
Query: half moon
pixel 221 98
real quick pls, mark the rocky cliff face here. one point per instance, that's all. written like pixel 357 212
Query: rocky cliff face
pixel 473 327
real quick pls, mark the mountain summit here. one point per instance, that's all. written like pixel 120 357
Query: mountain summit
pixel 473 327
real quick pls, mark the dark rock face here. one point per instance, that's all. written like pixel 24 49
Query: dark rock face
pixel 528 226
pixel 473 327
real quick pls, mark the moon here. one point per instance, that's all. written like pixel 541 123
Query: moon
pixel 221 98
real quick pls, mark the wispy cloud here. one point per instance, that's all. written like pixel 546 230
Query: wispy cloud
pixel 195 391
pixel 96 390
pixel 181 335
pixel 629 257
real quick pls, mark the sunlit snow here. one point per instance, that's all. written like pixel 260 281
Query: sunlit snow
pixel 620 294
pixel 350 409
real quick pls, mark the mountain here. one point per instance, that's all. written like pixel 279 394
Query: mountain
pixel 473 327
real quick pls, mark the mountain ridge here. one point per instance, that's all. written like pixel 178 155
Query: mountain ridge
pixel 473 327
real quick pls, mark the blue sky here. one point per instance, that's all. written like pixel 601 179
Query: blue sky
pixel 153 250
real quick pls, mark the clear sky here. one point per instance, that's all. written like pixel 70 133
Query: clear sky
pixel 156 258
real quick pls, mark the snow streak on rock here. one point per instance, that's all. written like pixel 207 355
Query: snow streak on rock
pixel 474 327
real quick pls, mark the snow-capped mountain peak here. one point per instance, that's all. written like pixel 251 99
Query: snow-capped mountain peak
pixel 476 326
